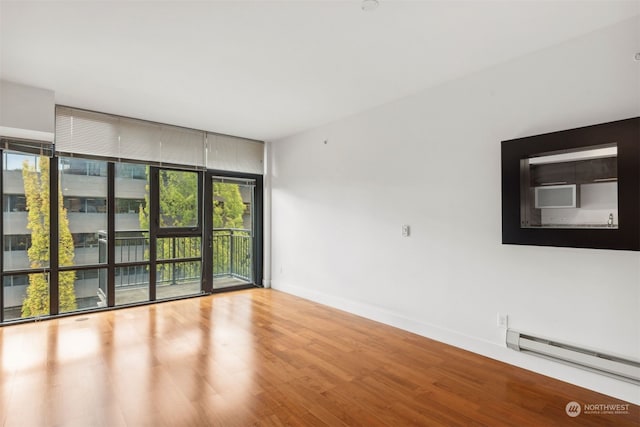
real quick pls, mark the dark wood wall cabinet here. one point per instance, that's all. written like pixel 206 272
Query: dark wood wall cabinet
pixel 574 188
pixel 576 172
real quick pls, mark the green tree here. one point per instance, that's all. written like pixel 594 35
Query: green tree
pixel 228 206
pixel 36 190
pixel 178 200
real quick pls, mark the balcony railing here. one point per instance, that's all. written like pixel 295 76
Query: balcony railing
pixel 178 257
pixel 232 249
pixel 179 262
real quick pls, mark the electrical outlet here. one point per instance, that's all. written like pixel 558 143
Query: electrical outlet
pixel 406 230
pixel 503 320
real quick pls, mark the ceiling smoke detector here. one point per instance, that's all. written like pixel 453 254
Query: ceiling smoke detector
pixel 369 5
pixel 636 57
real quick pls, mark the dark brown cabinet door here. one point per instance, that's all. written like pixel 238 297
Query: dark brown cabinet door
pixel 579 172
pixel 553 173
pixel 596 170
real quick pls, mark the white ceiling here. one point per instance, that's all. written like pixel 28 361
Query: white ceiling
pixel 268 69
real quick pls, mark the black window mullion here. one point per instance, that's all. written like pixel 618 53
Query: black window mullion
pixel 54 232
pixel 2 239
pixel 257 230
pixel 111 235
pixel 203 239
pixel 154 227
pixel 179 232
pixel 207 234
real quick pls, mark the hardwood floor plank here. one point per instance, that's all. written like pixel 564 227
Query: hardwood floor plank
pixel 264 358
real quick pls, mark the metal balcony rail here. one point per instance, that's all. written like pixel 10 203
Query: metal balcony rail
pixel 232 253
pixel 178 257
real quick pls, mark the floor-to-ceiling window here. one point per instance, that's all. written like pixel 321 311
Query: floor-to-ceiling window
pixel 131 236
pixel 26 234
pixel 127 228
pixel 82 219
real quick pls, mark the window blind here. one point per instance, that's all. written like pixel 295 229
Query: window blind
pixel 85 132
pixel 230 153
pixel 104 135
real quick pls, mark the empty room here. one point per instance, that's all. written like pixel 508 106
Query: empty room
pixel 320 213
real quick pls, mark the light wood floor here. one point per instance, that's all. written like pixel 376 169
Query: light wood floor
pixel 262 357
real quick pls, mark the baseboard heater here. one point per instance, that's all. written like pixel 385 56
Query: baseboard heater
pixel 613 366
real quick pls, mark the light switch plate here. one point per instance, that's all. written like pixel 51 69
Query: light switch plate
pixel 503 320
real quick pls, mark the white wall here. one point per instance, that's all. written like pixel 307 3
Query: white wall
pixel 433 161
pixel 26 112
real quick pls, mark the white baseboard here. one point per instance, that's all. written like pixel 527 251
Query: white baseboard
pixel 498 351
